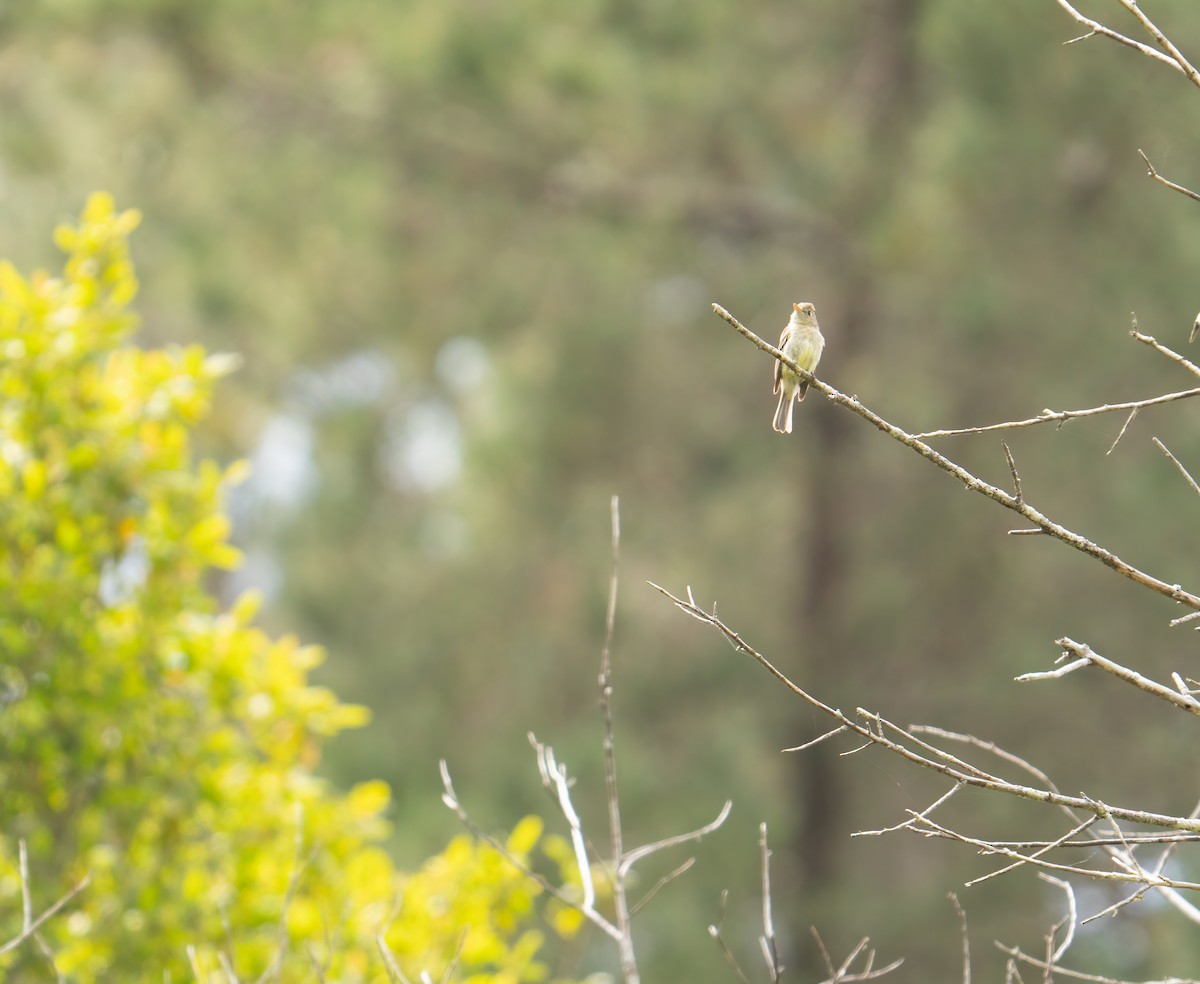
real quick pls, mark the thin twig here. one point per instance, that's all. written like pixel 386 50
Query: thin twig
pixel 620 900
pixel 1175 461
pixel 828 734
pixel 970 481
pixel 1056 674
pixel 769 947
pixel 1060 416
pixel 1162 41
pixel 49 913
pixel 970 778
pixel 1124 428
pixel 822 950
pixel 913 817
pixel 1161 349
pixel 29 924
pixel 1163 181
pixel 991 847
pixel 1087 843
pixel 1012 470
pixel 714 931
pixel 638 853
pixel 1033 856
pixel 554 778
pixel 1017 953
pixel 451 800
pixel 669 877
pixel 1096 28
pixel 966 942
pixel 1086 653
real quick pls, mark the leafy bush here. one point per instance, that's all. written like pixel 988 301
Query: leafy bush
pixel 152 741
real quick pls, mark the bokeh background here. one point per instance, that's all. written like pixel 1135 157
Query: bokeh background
pixel 467 249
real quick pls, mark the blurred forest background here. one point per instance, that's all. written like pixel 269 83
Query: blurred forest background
pixel 468 250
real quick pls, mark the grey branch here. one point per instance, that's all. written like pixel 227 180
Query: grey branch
pixel 972 482
pixel 1175 461
pixel 1086 656
pixel 941 762
pixel 1162 41
pixel 1150 169
pixel 1096 28
pixel 1061 416
pixel 1163 350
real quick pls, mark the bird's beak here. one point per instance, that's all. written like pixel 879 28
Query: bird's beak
pixel 795 307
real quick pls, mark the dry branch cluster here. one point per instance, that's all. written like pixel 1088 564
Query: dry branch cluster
pixel 1134 847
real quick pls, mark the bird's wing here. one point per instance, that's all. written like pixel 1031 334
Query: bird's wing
pixel 779 365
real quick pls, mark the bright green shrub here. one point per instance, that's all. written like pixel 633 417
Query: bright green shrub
pixel 152 741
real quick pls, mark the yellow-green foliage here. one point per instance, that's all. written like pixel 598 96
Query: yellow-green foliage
pixel 150 740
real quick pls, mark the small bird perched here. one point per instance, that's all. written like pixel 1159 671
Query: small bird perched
pixel 801 342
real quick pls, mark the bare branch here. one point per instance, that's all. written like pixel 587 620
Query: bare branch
pixel 1124 428
pixel 1163 350
pixel 1062 416
pixel 1163 181
pixel 970 481
pixel 970 776
pixel 621 902
pixel 1162 41
pixel 817 741
pixel 966 943
pixel 1012 470
pixel 715 930
pixel 769 947
pixel 1095 27
pixel 554 777
pixel 991 847
pixel 1016 953
pixel 646 850
pixel 1033 857
pixel 1072 915
pixel 1175 461
pixel 913 817
pixel 450 798
pixel 1062 671
pixel 669 877
pixel 1088 655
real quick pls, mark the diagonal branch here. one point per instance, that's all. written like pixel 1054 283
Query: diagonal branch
pixel 1183 471
pixel 1163 181
pixel 1086 655
pixel 636 855
pixel 1096 28
pixel 968 777
pixel 1009 501
pixel 1162 41
pixel 1163 350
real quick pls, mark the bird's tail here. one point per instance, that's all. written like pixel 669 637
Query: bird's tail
pixel 783 413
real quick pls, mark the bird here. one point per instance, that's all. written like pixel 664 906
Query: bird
pixel 802 342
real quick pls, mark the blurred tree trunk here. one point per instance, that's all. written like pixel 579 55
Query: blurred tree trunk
pixel 882 94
